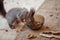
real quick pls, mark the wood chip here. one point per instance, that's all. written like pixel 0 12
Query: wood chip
pixel 50 34
pixel 30 36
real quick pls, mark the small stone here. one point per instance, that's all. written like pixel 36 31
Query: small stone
pixel 56 17
pixel 56 9
pixel 6 30
pixel 51 15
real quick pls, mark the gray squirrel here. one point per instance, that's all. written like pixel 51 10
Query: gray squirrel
pixel 15 14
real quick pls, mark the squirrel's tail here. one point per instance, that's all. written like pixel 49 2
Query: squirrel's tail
pixel 2 10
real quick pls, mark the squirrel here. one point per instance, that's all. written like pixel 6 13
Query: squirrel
pixel 34 21
pixel 15 16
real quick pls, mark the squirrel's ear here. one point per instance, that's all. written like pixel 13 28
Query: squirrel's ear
pixel 32 12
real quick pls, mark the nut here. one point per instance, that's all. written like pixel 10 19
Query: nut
pixel 30 36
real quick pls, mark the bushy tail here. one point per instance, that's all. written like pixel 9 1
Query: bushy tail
pixel 2 10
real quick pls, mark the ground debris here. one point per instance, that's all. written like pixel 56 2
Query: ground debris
pixel 6 30
pixel 49 34
pixel 30 36
pixel 51 15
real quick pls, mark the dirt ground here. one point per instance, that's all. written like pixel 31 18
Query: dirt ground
pixel 51 12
